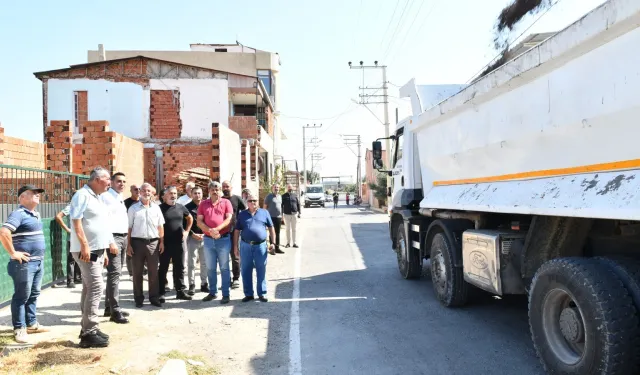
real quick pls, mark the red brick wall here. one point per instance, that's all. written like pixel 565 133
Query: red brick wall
pixel 98 146
pixel 77 158
pixel 165 114
pixel 243 163
pixel 83 109
pixel 20 152
pixel 270 121
pixel 245 126
pixel 133 70
pixel 180 157
pixel 215 152
pixel 59 146
pixel 150 166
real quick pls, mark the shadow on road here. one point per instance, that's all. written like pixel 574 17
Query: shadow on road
pixel 397 319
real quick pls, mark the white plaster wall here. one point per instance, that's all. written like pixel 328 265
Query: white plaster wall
pixel 230 159
pixel 125 105
pixel 202 102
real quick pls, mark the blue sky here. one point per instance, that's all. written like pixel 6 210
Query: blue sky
pixel 435 41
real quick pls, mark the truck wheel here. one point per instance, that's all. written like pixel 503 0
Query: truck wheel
pixel 582 319
pixel 408 258
pixel 448 280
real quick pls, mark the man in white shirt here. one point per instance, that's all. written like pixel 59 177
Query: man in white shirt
pixel 119 223
pixel 146 243
pixel 184 199
pixel 90 239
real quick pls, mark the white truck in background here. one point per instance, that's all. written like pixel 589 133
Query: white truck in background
pixel 527 181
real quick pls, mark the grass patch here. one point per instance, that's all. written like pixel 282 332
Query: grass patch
pixel 205 369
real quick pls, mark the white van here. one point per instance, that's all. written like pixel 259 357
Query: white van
pixel 314 196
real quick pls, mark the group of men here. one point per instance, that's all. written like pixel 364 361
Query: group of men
pixel 147 236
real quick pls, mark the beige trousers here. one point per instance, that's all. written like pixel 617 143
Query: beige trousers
pixel 290 227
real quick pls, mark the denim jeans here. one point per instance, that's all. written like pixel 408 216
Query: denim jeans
pixel 253 256
pixel 216 252
pixel 27 280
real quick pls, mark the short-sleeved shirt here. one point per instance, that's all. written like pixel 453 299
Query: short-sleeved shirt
pixel 183 200
pixel 238 205
pixel 65 211
pixel 144 221
pixel 174 216
pixel 274 204
pixel 26 232
pixel 214 215
pixel 254 227
pixel 117 211
pixel 193 210
pixel 87 206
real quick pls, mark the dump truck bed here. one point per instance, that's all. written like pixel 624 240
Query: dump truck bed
pixel 553 132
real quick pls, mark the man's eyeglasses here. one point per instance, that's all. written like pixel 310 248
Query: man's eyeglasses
pixel 252 200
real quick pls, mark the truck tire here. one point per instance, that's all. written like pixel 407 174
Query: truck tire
pixel 448 280
pixel 628 271
pixel 582 319
pixel 408 258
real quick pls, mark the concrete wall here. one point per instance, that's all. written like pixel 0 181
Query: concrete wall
pixel 202 102
pixel 230 159
pixel 129 160
pixel 125 105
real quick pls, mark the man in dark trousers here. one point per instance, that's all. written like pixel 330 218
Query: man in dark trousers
pixel 238 205
pixel 273 204
pixel 174 236
pixel 291 214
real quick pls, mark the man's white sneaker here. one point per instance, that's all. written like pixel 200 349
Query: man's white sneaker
pixel 20 335
pixel 37 328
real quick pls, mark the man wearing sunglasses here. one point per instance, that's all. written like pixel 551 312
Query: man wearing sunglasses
pixel 251 226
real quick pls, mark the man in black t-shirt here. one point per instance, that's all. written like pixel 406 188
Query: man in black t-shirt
pixel 174 235
pixel 135 196
pixel 238 205
pixel 195 246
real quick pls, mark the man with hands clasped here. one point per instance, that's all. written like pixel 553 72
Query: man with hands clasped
pixel 214 217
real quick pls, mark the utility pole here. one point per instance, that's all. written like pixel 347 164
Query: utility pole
pixel 304 148
pixel 385 101
pixel 355 140
pixel 315 158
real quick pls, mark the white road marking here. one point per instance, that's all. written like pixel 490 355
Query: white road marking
pixel 295 357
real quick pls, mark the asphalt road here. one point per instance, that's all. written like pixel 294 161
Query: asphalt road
pixel 356 315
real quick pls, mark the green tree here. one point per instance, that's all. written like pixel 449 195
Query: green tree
pixel 312 177
pixel 379 188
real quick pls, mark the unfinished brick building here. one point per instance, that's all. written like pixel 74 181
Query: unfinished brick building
pixel 176 122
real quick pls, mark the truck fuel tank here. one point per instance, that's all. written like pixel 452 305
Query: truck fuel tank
pixel 486 258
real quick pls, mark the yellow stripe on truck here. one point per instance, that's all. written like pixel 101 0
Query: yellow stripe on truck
pixel 602 167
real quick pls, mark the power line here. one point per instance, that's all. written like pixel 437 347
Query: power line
pixel 396 30
pixel 389 24
pixel 410 27
pixel 510 44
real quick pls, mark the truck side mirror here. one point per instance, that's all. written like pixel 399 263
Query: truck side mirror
pixel 376 151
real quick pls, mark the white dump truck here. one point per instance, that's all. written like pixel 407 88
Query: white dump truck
pixel 527 181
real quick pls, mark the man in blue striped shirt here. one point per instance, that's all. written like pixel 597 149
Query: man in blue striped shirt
pixel 22 237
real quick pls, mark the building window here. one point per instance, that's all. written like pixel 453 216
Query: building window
pixel 80 110
pixel 244 110
pixel 265 77
pixel 76 120
pixel 221 50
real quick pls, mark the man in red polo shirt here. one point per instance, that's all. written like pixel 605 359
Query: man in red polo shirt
pixel 214 217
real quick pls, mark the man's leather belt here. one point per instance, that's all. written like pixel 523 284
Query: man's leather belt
pixel 253 242
pixel 222 236
pixel 120 234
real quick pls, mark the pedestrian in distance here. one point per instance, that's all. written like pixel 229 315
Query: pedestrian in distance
pixel 22 237
pixel 336 196
pixel 251 229
pixel 91 238
pixel 214 217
